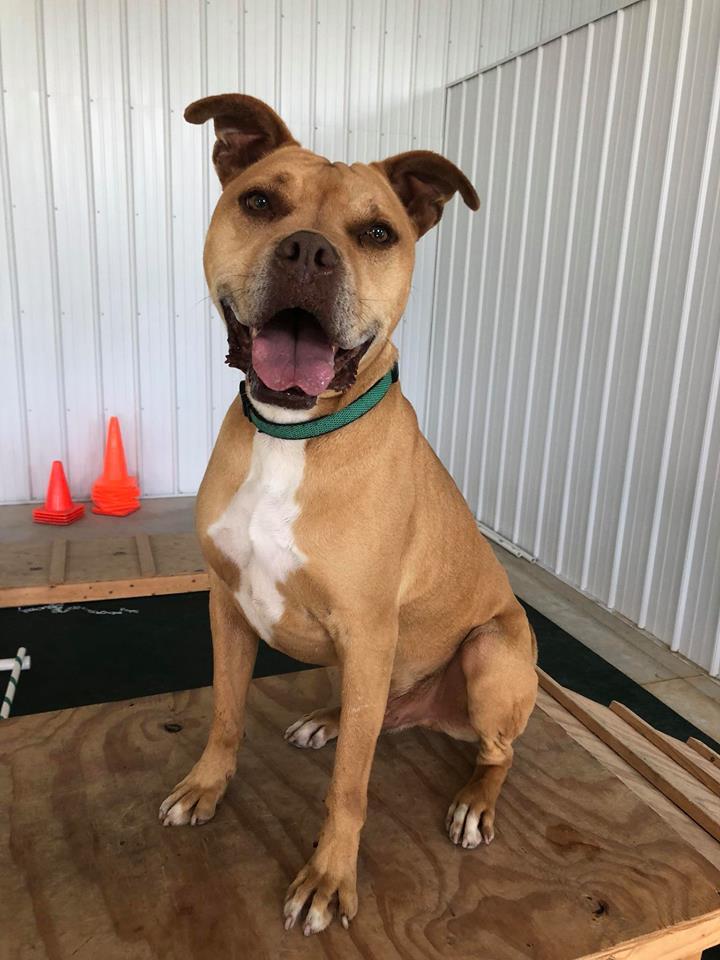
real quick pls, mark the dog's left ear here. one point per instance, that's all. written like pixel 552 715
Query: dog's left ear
pixel 425 181
pixel 246 129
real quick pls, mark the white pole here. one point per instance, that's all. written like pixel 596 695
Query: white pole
pixel 12 684
pixel 7 663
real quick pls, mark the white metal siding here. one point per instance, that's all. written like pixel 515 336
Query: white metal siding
pixel 106 194
pixel 575 362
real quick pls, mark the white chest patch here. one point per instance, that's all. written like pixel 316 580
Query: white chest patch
pixel 256 530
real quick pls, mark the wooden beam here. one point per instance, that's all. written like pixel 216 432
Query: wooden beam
pixel 643 763
pixel 103 590
pixel 670 747
pixel 704 750
pixel 685 941
pixel 58 558
pixel 145 555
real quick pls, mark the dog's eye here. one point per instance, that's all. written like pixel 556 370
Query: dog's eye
pixel 378 234
pixel 258 202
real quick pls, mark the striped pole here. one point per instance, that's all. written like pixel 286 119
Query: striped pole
pixel 12 684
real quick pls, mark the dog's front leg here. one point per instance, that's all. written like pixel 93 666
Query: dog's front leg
pixel 366 658
pixel 235 644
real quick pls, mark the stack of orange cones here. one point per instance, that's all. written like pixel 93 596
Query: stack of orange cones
pixel 58 507
pixel 115 494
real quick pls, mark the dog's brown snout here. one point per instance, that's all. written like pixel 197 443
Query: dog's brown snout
pixel 307 254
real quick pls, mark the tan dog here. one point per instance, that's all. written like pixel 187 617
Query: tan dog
pixel 354 547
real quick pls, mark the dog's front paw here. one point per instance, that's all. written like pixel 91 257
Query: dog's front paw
pixel 328 884
pixel 314 729
pixel 195 799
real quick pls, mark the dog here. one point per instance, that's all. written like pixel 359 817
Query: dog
pixel 330 529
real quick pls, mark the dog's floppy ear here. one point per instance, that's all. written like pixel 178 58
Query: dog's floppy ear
pixel 246 130
pixel 425 181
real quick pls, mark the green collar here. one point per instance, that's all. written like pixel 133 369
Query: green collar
pixel 321 425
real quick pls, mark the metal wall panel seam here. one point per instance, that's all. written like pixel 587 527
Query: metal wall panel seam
pixel 619 282
pixel 550 196
pixel 565 286
pixel 380 79
pixel 685 316
pixel 518 288
pixel 206 164
pixel 241 14
pixel 647 323
pixel 478 42
pixel 483 275
pixel 714 670
pixel 695 512
pixel 312 73
pixel 463 303
pixel 647 327
pixel 429 394
pixel 347 78
pixel 514 54
pixel 401 328
pixel 602 175
pixel 413 70
pixel 700 210
pixel 447 305
pixel 498 296
pixel 50 207
pixel 92 206
pixel 14 288
pixel 130 202
pixel 278 55
pixel 170 241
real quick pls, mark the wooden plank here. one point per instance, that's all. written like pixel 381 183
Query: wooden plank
pixel 699 804
pixel 109 558
pixel 685 941
pixel 103 590
pixel 670 747
pixel 24 564
pixel 580 864
pixel 648 794
pixel 704 750
pixel 145 555
pixel 58 559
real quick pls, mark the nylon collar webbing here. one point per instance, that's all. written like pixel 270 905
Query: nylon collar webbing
pixel 321 425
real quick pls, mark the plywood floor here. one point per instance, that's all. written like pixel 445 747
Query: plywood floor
pixel 580 864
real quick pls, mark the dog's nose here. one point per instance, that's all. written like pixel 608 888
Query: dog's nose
pixel 307 254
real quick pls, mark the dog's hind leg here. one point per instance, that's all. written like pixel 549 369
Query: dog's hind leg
pixel 315 729
pixel 498 661
pixel 235 644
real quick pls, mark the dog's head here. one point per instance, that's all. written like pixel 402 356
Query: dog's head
pixel 310 261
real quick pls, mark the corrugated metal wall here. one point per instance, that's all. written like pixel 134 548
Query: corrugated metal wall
pixel 106 193
pixel 575 360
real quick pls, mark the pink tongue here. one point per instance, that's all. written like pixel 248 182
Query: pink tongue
pixel 292 351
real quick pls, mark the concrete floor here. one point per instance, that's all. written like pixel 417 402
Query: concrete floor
pixel 677 682
pixel 682 685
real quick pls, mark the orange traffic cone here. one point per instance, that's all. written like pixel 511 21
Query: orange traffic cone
pixel 115 494
pixel 58 507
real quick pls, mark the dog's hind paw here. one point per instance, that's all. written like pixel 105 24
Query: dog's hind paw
pixel 315 729
pixel 468 824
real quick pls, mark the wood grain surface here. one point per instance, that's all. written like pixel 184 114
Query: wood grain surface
pixel 580 865
pixel 104 568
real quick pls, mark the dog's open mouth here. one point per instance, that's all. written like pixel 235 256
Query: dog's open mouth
pixel 292 350
pixel 290 360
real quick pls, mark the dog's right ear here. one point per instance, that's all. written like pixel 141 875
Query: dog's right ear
pixel 246 130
